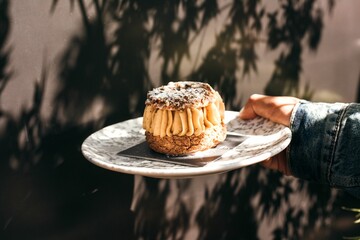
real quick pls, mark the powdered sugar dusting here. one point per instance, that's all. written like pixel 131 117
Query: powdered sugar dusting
pixel 181 95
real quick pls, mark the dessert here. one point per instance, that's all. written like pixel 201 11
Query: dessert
pixel 184 117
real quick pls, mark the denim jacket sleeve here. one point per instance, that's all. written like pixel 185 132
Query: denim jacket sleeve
pixel 325 145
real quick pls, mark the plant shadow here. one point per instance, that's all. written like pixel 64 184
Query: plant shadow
pixel 49 191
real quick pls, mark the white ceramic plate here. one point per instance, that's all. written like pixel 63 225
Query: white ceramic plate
pixel 258 140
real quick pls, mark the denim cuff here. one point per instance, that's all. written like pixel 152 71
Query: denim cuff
pixel 315 128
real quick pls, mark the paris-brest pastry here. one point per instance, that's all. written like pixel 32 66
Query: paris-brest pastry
pixel 184 117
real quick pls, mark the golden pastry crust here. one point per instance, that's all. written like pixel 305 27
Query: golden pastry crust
pixel 180 145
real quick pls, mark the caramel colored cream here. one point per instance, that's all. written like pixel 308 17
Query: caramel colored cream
pixel 163 122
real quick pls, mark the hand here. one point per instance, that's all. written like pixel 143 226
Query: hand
pixel 276 109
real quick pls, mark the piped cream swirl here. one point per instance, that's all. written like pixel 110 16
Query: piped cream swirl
pixel 184 122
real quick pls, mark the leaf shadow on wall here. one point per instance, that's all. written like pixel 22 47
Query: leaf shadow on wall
pixel 103 79
pixel 48 190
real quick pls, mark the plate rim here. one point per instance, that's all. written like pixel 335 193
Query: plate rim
pixel 186 172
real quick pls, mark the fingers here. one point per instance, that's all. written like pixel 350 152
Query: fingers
pixel 276 109
pixel 249 111
pixel 278 163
